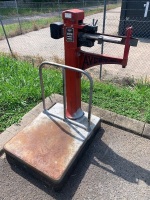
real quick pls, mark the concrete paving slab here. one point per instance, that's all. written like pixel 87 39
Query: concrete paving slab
pixel 146 131
pixel 133 125
pixel 108 117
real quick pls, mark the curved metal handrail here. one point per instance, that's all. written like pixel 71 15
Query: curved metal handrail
pixel 64 67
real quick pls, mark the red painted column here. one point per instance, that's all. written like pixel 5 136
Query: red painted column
pixel 127 46
pixel 72 18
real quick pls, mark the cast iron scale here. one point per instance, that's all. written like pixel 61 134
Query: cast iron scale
pixel 51 145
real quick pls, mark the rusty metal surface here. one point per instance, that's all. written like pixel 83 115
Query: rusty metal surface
pixel 45 146
pixel 48 145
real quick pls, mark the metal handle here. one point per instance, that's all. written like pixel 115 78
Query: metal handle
pixel 64 88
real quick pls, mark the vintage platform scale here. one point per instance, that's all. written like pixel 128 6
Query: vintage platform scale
pixel 51 145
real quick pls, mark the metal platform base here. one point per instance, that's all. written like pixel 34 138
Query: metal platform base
pixel 50 146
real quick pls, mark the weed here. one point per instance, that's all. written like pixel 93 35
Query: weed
pixel 59 60
pixel 147 116
pixel 35 26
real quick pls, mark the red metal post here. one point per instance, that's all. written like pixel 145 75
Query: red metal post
pixel 73 25
pixel 72 20
pixel 127 46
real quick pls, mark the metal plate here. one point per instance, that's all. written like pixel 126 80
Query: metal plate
pixel 49 145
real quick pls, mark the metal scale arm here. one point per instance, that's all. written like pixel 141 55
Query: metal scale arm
pixel 87 60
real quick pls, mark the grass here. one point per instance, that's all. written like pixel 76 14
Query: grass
pixel 53 7
pixel 20 88
pixel 20 91
pixel 133 102
pixel 33 25
pixel 14 29
pixel 12 12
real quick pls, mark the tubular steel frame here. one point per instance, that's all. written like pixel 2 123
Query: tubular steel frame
pixel 64 67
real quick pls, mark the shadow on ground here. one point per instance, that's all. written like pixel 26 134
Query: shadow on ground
pixel 100 155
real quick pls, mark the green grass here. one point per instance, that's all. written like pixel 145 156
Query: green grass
pixel 14 29
pixel 53 7
pixel 20 91
pixel 12 12
pixel 133 102
pixel 20 88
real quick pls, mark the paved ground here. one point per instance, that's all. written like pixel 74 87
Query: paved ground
pixel 115 166
pixel 39 43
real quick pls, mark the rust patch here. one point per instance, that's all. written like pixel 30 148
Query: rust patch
pixel 47 146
